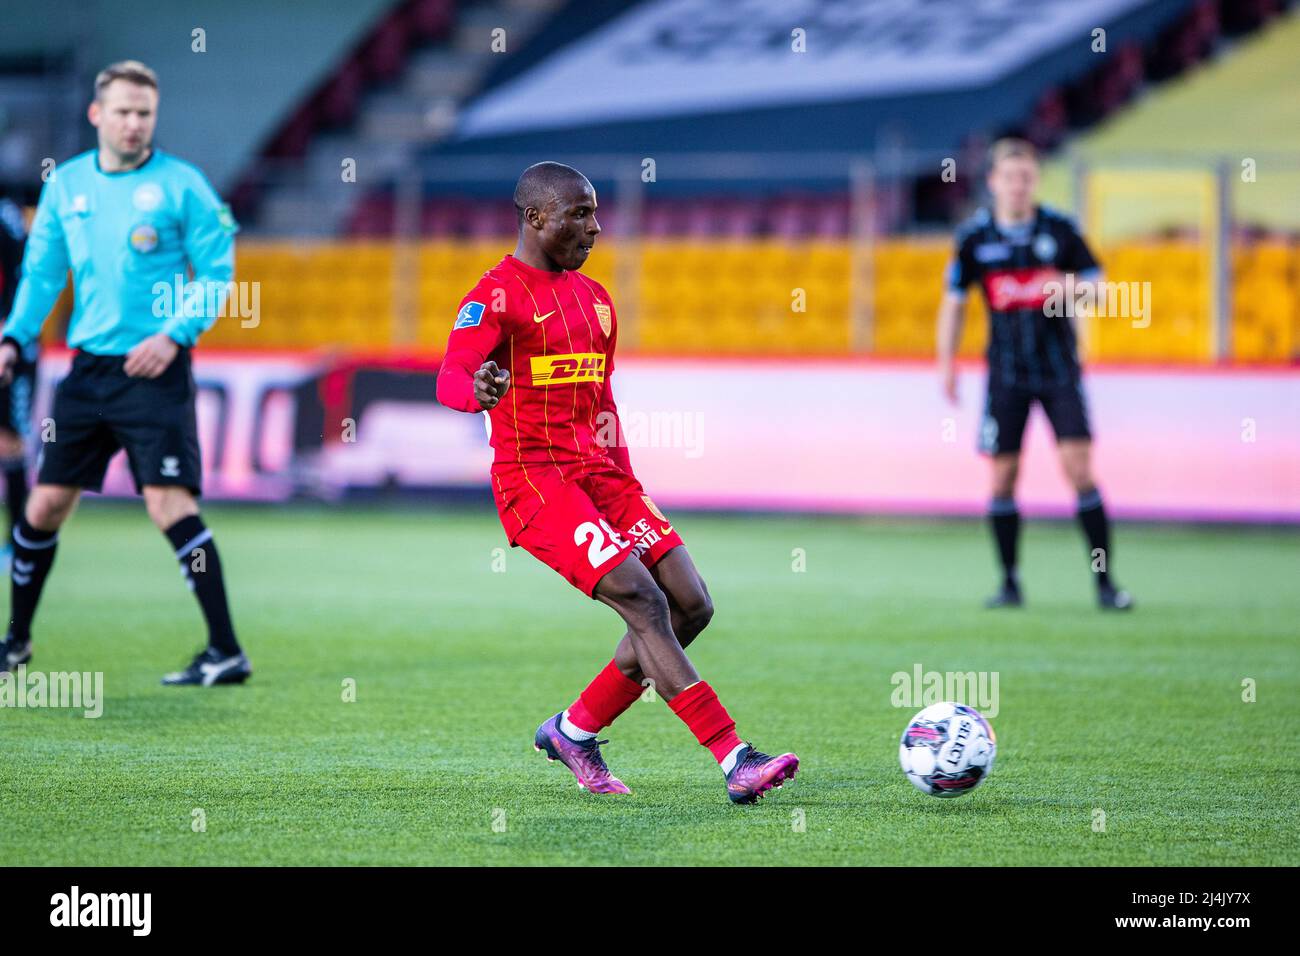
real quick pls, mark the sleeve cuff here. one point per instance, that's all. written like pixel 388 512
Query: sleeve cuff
pixel 178 334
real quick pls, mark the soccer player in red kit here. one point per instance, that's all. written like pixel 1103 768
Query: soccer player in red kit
pixel 533 346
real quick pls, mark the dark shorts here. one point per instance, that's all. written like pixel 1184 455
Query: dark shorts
pixel 1006 410
pixel 16 400
pixel 99 410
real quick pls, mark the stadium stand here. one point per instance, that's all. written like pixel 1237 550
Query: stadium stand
pixel 246 71
pixel 413 89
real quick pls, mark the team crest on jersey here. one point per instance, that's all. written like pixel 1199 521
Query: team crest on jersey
pixel 1045 247
pixel 568 369
pixel 470 315
pixel 603 313
pixel 653 510
pixel 147 197
pixel 144 238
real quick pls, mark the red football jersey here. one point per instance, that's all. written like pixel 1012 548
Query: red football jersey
pixel 555 332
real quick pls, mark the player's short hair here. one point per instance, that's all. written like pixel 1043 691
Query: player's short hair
pixel 540 184
pixel 133 71
pixel 1011 147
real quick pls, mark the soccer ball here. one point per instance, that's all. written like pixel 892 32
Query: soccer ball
pixel 947 749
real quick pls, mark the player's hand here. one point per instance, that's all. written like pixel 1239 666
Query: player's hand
pixel 151 357
pixel 490 385
pixel 948 374
pixel 8 358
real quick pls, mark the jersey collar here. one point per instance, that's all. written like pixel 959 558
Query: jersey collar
pixel 532 272
pixel 153 151
pixel 1030 226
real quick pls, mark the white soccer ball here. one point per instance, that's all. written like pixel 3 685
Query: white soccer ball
pixel 947 749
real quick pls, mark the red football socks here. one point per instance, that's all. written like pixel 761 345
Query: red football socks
pixel 607 696
pixel 699 708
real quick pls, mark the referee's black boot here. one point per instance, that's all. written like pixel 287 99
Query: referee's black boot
pixel 1111 598
pixel 13 654
pixel 209 668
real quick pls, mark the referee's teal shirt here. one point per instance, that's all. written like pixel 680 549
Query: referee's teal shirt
pixel 128 238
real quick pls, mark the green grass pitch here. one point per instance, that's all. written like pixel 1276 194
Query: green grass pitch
pixel 455 664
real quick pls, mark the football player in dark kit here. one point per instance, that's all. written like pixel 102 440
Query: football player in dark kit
pixel 15 395
pixel 1020 253
pixel 128 220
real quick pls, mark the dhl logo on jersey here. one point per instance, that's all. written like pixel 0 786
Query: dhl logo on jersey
pixel 568 369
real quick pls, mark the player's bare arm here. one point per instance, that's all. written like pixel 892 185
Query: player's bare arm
pixel 948 335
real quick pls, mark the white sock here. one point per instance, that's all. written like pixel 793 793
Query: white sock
pixel 572 730
pixel 729 761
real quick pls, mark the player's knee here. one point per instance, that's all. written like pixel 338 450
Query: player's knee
pixel 168 505
pixel 631 590
pixel 11 446
pixel 48 508
pixel 1078 471
pixel 1004 485
pixel 697 612
pixel 647 602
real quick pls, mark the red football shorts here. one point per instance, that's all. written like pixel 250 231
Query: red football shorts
pixel 581 518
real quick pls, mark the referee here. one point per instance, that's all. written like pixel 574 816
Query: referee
pixel 128 220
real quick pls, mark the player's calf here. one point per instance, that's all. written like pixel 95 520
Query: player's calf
pixel 689 619
pixel 200 564
pixel 632 592
pixel 35 538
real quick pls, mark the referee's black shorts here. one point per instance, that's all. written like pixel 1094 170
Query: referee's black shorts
pixel 1006 410
pixel 99 409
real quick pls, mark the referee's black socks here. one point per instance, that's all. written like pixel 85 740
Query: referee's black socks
pixel 33 557
pixel 15 489
pixel 201 566
pixel 1096 528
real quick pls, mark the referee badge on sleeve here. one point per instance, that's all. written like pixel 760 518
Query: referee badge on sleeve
pixel 226 219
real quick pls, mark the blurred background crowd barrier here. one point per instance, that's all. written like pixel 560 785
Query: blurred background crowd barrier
pixel 778 182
